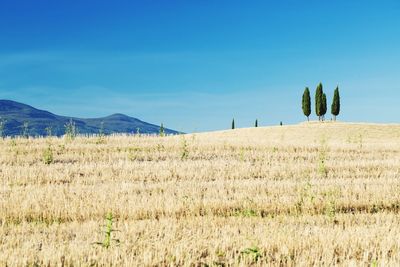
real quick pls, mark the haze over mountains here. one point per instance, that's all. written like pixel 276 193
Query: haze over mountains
pixel 16 114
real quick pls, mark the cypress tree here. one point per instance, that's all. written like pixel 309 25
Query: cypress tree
pixel 335 110
pixel 307 103
pixel 318 100
pixel 162 130
pixel 233 124
pixel 324 107
pixel 256 124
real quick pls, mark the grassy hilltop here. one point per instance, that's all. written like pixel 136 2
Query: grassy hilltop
pixel 308 194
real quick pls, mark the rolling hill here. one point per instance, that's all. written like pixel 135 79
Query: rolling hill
pixel 16 114
pixel 312 194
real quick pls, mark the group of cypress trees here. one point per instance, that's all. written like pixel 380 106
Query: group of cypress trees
pixel 320 103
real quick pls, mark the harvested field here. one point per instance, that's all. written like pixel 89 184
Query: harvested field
pixel 308 194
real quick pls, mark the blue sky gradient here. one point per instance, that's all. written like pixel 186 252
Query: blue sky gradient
pixel 194 65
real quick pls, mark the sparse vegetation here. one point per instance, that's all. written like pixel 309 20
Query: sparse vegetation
pixel 322 157
pixel 239 198
pixel 49 131
pixel 25 129
pixel 2 124
pixel 48 155
pixel 108 232
pixel 101 139
pixel 185 149
pixel 70 130
pixel 252 253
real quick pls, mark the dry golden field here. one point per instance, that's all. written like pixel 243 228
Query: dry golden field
pixel 310 194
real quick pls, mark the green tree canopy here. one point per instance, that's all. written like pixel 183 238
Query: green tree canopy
pixel 306 105
pixel 324 107
pixel 319 101
pixel 335 109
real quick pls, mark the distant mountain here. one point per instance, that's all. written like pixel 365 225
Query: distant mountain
pixel 16 114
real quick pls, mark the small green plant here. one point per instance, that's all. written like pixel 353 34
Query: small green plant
pixel 253 253
pixel 133 153
pixel 49 131
pixel 70 130
pixel 101 130
pixel 13 143
pixel 101 137
pixel 322 169
pixel 2 126
pixel 306 196
pixel 330 203
pixel 220 254
pixel 184 149
pixel 61 149
pixel 160 147
pixel 25 129
pixel 48 156
pixel 247 213
pixel 107 242
pixel 330 209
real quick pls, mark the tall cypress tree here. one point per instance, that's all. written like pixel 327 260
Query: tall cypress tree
pixel 318 101
pixel 162 130
pixel 306 105
pixel 335 110
pixel 233 124
pixel 324 107
pixel 256 123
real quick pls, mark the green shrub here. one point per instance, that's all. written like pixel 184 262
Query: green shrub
pixel 48 156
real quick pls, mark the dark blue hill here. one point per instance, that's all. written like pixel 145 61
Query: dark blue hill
pixel 16 114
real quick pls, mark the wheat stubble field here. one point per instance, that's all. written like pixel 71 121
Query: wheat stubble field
pixel 309 194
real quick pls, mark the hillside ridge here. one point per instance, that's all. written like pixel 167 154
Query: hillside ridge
pixel 15 114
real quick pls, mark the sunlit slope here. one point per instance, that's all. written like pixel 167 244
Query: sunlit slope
pixel 301 195
pixel 312 133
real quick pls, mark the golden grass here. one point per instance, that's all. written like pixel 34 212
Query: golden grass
pixel 310 194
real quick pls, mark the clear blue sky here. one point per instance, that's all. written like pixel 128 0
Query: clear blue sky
pixel 196 64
